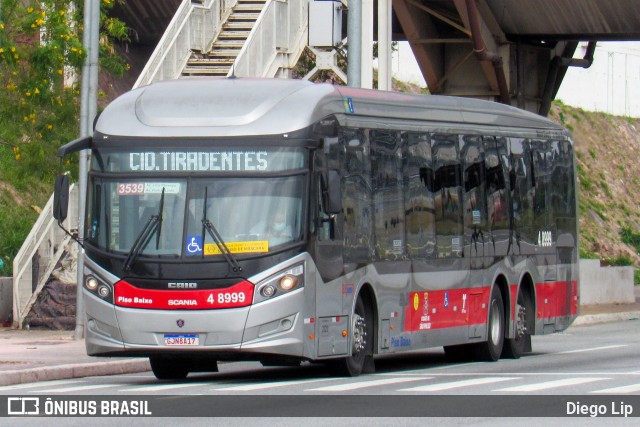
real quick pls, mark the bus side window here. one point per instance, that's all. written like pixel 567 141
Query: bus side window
pixel 447 185
pixel 419 209
pixel 475 199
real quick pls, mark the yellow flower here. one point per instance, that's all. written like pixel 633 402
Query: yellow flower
pixel 1 26
pixel 30 10
pixel 36 91
pixel 17 156
pixel 25 118
pixel 1 50
pixel 16 56
pixel 49 126
pixel 13 49
pixel 60 72
pixel 61 13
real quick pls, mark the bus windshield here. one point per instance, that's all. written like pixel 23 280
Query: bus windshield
pixel 251 215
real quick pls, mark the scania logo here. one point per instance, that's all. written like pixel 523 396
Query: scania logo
pixel 182 285
pixel 180 323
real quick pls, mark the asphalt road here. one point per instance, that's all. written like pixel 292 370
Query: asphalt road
pixel 588 370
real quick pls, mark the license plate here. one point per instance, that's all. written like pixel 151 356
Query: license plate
pixel 182 340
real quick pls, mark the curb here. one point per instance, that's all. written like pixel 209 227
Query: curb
pixel 49 373
pixel 592 319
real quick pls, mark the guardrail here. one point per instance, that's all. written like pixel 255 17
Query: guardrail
pixel 193 27
pixel 39 255
pixel 276 41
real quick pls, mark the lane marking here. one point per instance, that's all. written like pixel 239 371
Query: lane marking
pixel 620 390
pixel 458 384
pixel 510 374
pixel 162 387
pixel 551 384
pixel 262 386
pixel 76 388
pixel 365 384
pixel 593 349
pixel 38 384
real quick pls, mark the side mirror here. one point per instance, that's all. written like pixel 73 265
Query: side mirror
pixel 61 198
pixel 333 192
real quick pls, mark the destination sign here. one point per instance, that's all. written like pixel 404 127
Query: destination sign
pixel 270 160
pixel 179 161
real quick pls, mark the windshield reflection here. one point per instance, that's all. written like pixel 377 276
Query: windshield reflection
pixel 252 216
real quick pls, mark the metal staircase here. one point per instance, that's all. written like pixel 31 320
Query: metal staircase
pixel 258 38
pixel 262 38
pixel 226 48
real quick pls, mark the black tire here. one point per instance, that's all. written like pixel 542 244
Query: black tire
pixel 361 331
pixel 491 349
pixel 165 368
pixel 459 353
pixel 514 348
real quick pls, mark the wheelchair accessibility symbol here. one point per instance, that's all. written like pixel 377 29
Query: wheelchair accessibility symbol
pixel 194 245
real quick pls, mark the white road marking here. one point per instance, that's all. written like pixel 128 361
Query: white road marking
pixel 263 386
pixel 365 384
pixel 76 388
pixel 592 349
pixel 551 384
pixel 38 384
pixel 620 390
pixel 458 384
pixel 162 387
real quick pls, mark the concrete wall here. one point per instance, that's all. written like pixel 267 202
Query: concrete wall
pixel 6 298
pixel 605 285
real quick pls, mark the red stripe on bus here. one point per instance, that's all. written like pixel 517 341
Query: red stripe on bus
pixel 446 309
pixel 556 299
pixel 127 295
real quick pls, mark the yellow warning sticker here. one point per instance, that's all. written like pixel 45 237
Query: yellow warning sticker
pixel 256 246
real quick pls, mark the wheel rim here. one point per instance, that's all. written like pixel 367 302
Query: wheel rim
pixel 359 332
pixel 495 323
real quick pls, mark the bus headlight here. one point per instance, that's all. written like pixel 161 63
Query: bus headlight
pixel 92 283
pixel 99 288
pixel 280 284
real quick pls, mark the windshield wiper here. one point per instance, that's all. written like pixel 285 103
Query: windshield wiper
pixel 217 238
pixel 154 223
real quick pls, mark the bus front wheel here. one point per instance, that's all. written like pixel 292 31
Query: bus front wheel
pixel 361 332
pixel 165 368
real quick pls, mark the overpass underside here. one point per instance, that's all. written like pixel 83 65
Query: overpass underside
pixel 513 51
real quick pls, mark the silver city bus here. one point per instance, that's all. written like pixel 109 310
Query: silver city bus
pixel 284 221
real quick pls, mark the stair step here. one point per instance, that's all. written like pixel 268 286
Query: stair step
pixel 209 71
pixel 233 35
pixel 205 62
pixel 228 44
pixel 235 17
pixel 248 8
pixel 237 26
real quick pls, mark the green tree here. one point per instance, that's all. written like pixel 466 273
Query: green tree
pixel 41 55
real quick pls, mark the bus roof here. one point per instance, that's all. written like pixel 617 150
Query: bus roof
pixel 219 107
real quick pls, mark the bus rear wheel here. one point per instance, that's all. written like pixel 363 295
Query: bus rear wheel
pixel 491 349
pixel 361 331
pixel 165 368
pixel 517 346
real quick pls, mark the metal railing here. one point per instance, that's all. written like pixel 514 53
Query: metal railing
pixel 193 27
pixel 276 41
pixel 38 256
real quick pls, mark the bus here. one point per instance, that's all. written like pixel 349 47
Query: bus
pixel 282 221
